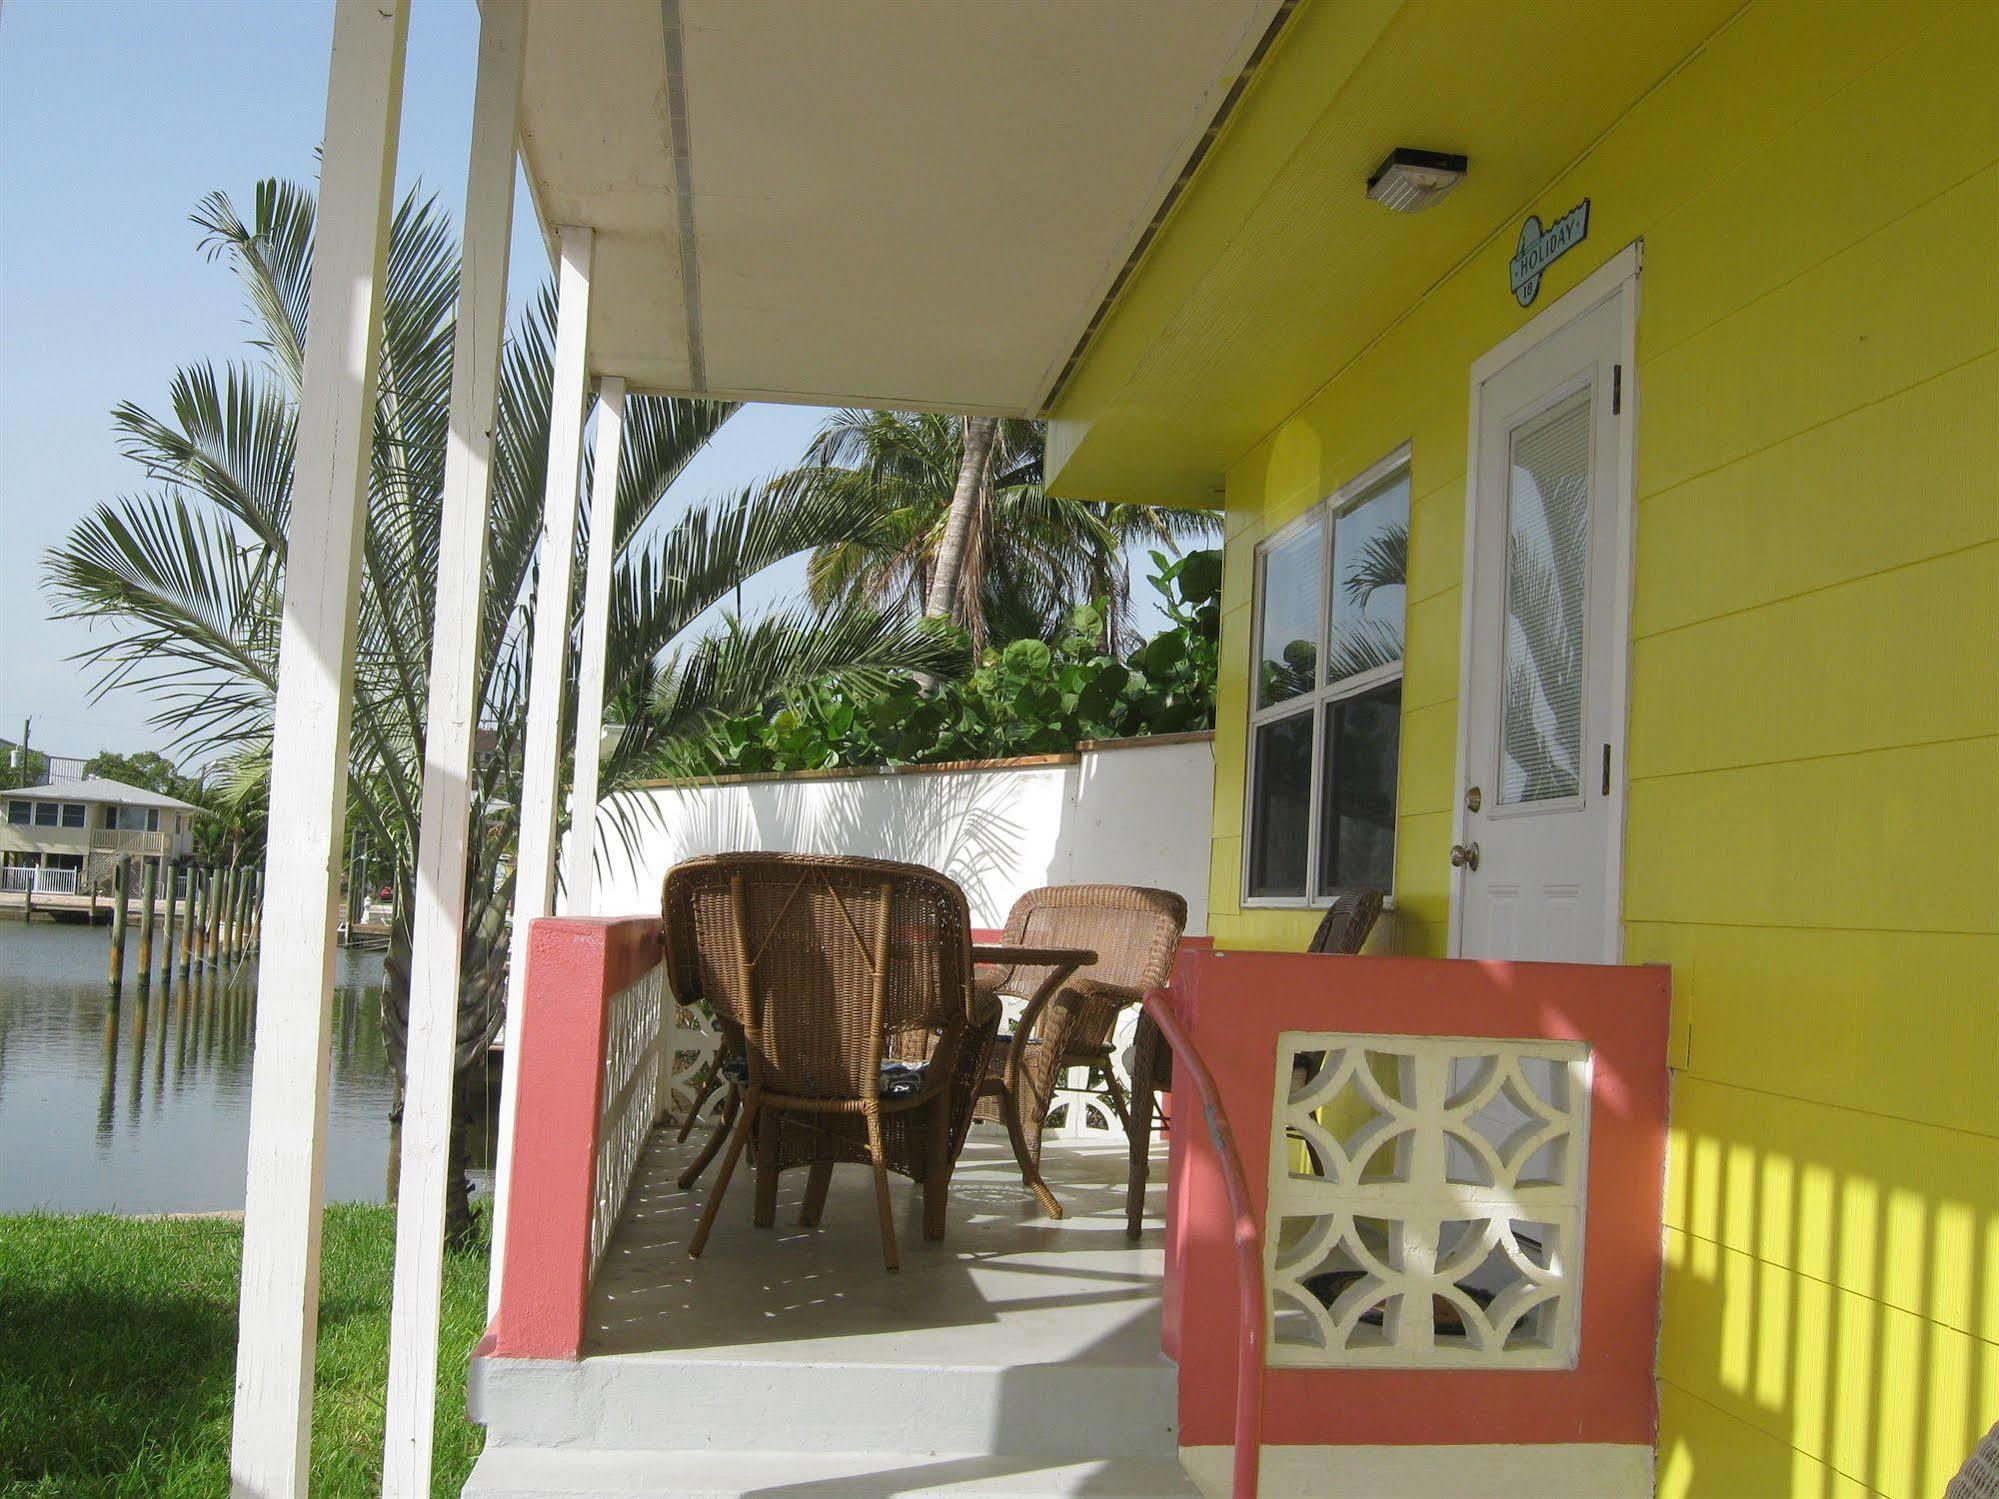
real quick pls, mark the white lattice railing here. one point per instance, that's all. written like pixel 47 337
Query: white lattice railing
pixel 1426 1201
pixel 633 1019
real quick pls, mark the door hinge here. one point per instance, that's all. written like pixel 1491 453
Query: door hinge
pixel 1616 389
pixel 1606 770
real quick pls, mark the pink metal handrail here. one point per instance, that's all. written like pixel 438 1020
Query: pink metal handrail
pixel 1248 1246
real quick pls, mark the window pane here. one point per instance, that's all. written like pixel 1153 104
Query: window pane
pixel 1370 582
pixel 45 814
pixel 1281 818
pixel 1290 617
pixel 1547 567
pixel 1357 802
pixel 72 814
pixel 18 812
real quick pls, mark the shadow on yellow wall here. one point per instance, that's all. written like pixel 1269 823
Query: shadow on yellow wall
pixel 1843 1355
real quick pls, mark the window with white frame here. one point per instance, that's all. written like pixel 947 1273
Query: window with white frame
pixel 20 813
pixel 73 814
pixel 1325 728
pixel 47 814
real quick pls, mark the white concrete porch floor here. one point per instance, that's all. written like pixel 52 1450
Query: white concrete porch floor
pixel 1019 1356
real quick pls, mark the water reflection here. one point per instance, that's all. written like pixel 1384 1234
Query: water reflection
pixel 93 1117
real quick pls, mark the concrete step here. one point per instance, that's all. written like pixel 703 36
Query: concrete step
pixel 1107 1407
pixel 508 1472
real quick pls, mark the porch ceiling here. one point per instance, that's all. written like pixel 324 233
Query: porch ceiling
pixel 1276 269
pixel 869 202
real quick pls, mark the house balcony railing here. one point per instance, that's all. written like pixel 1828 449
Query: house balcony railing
pixel 129 841
pixel 1443 1235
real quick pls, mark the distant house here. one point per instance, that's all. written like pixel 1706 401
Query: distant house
pixel 85 825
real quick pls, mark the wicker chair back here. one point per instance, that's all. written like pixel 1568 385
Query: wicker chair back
pixel 819 967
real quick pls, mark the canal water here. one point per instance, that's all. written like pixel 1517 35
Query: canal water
pixel 142 1105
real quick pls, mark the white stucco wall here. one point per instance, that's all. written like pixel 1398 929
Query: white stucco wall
pixel 1133 814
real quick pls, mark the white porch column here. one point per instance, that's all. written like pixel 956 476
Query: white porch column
pixel 534 872
pixel 286 1182
pixel 453 719
pixel 579 877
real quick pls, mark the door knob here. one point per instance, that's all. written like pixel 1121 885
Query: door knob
pixel 1473 800
pixel 1464 856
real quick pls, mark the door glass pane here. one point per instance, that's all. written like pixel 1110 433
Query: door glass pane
pixel 1281 818
pixel 1547 570
pixel 1290 622
pixel 1357 801
pixel 1370 582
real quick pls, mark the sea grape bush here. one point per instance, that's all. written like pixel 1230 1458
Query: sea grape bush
pixel 1025 698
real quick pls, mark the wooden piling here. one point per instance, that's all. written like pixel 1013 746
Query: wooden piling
pixel 121 879
pixel 232 915
pixel 197 891
pixel 212 915
pixel 257 909
pixel 187 927
pixel 149 899
pixel 167 930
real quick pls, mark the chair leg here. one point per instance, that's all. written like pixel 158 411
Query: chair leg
pixel 1139 1132
pixel 937 1170
pixel 879 1156
pixel 764 1214
pixel 1114 1090
pixel 816 1183
pixel 1030 1172
pixel 737 1141
pixel 708 1086
pixel 716 1140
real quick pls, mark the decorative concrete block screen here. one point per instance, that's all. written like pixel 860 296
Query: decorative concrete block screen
pixel 1449 1150
pixel 1426 1201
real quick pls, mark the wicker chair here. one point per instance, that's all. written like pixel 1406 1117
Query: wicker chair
pixel 1343 929
pixel 1135 934
pixel 844 987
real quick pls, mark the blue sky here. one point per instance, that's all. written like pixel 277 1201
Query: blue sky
pixel 115 119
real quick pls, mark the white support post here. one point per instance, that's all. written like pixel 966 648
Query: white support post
pixel 279 1321
pixel 541 768
pixel 579 877
pixel 453 720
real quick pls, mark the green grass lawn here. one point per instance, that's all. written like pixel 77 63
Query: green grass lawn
pixel 118 1347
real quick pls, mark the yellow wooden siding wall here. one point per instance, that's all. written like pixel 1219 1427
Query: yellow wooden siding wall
pixel 1814 743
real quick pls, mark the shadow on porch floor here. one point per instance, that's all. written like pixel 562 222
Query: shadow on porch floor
pixel 1008 1285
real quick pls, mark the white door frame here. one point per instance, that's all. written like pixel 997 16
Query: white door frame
pixel 1617 278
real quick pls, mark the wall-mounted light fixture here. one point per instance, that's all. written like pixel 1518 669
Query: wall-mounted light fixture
pixel 1411 180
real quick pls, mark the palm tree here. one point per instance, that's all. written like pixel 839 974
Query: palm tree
pixel 946 579
pixel 975 537
pixel 191 575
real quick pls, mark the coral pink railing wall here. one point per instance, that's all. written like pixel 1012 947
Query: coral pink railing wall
pixel 1234 1006
pixel 577 971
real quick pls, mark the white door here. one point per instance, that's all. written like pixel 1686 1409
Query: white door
pixel 1541 774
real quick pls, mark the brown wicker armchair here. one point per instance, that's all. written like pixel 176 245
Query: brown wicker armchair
pixel 1343 929
pixel 844 986
pixel 1135 934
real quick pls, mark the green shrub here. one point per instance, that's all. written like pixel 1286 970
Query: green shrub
pixel 1024 698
